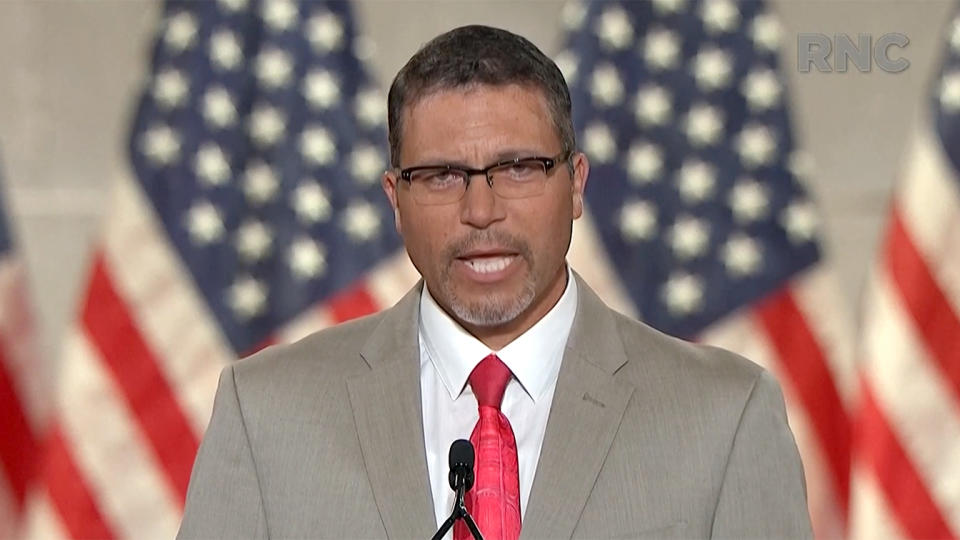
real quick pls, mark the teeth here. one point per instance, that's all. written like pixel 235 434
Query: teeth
pixel 489 264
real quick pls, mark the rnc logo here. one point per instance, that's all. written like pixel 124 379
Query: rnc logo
pixel 814 49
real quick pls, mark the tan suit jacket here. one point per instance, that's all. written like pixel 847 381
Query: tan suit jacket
pixel 648 437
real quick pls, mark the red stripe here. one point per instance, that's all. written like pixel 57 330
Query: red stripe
pixel 904 490
pixel 135 368
pixel 353 302
pixel 805 365
pixel 923 298
pixel 69 493
pixel 17 445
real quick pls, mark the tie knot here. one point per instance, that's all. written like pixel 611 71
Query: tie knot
pixel 489 380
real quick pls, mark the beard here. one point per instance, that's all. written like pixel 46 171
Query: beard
pixel 492 309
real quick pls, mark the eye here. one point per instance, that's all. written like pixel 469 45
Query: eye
pixel 437 179
pixel 523 170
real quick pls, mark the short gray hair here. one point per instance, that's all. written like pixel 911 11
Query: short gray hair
pixel 477 55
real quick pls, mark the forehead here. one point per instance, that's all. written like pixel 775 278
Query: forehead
pixel 478 118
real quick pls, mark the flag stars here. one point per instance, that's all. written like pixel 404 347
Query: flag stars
pixel 317 146
pixel 211 165
pixel 273 68
pixel 311 203
pixel 765 32
pixel 225 50
pixel 371 108
pixel 361 221
pixel 307 258
pixel 572 15
pixel 247 297
pixel 254 240
pixel 606 87
pixel 267 125
pixel 170 88
pixel 696 181
pixel 756 145
pixel 689 238
pixel 218 108
pixel 325 32
pixel 719 16
pixel 749 201
pixel 682 294
pixel 950 92
pixel 181 31
pixel 712 69
pixel 644 162
pixel 568 63
pixel 614 29
pixel 703 125
pixel 801 222
pixel 321 89
pixel 204 224
pixel 366 164
pixel 260 183
pixel 233 6
pixel 652 106
pixel 280 15
pixel 161 145
pixel 661 48
pixel 665 7
pixel 762 89
pixel 599 143
pixel 741 256
pixel 638 221
pixel 955 35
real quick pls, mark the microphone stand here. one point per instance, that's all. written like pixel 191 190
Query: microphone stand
pixel 459 512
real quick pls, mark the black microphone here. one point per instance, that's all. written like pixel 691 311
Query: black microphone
pixel 461 465
pixel 461 480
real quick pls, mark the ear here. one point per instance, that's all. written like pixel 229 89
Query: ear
pixel 389 182
pixel 581 169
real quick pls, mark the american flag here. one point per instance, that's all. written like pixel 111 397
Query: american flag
pixel 906 458
pixel 23 396
pixel 697 208
pixel 253 215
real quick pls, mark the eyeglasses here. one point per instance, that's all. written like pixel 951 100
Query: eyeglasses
pixel 511 179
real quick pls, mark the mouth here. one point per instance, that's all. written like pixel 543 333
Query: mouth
pixel 487 266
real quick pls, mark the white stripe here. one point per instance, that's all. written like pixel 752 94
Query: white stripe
pixel 929 199
pixel 919 406
pixel 121 473
pixel 588 258
pixel 742 334
pixel 43 523
pixel 392 279
pixel 817 294
pixel 308 322
pixel 870 517
pixel 165 304
pixel 31 376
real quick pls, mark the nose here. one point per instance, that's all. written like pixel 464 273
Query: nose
pixel 480 206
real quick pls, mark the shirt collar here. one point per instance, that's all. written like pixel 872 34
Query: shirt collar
pixel 534 357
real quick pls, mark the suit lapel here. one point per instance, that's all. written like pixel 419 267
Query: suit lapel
pixel 588 405
pixel 386 407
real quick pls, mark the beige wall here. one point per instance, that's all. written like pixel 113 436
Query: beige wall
pixel 70 73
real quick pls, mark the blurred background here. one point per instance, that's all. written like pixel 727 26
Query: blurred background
pixel 72 76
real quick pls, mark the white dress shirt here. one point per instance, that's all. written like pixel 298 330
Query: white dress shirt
pixel 448 354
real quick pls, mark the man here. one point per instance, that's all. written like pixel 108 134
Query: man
pixel 587 424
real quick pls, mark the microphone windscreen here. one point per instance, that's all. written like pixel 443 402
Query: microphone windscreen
pixel 461 454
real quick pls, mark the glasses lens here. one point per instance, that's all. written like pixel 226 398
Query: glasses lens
pixel 437 186
pixel 518 180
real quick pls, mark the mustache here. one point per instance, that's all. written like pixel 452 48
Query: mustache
pixel 485 238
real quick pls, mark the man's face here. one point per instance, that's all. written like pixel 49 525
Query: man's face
pixel 488 261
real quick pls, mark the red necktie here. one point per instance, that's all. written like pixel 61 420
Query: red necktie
pixel 494 501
